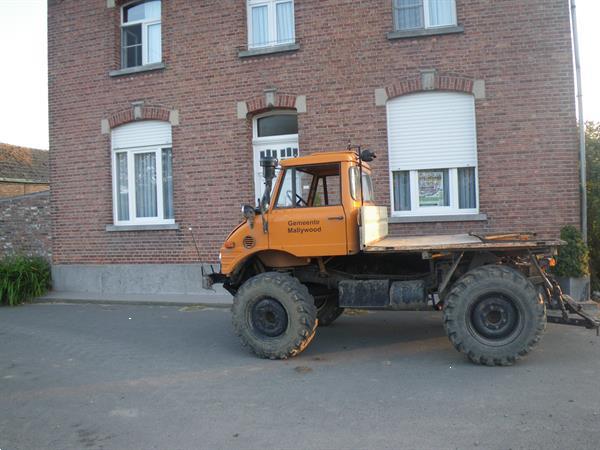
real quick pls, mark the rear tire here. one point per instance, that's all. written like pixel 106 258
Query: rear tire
pixel 494 315
pixel 274 315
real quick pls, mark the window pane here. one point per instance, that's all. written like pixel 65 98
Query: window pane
pixel 409 14
pixel 467 197
pixel 285 199
pixel 122 186
pixel 441 12
pixel 433 188
pixel 145 185
pixel 285 23
pixel 367 184
pixel 132 46
pixel 167 180
pixel 402 191
pixel 147 10
pixel 260 28
pixel 154 43
pixel 278 125
pixel 354 185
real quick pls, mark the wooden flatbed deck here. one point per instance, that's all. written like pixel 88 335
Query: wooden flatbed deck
pixel 457 242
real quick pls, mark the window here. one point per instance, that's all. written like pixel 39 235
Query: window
pixel 142 173
pixel 275 134
pixel 270 23
pixel 433 154
pixel 310 186
pixel 415 14
pixel 141 40
pixel 355 186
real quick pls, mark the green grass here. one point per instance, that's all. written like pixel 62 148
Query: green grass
pixel 23 278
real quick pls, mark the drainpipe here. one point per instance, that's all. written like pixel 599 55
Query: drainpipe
pixel 582 163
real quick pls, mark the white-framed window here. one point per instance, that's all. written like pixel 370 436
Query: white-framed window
pixel 142 169
pixel 433 154
pixel 274 134
pixel 270 23
pixel 141 35
pixel 415 14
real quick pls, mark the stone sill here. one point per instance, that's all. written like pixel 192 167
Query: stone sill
pixel 157 227
pixel 268 50
pixel 421 32
pixel 449 218
pixel 137 69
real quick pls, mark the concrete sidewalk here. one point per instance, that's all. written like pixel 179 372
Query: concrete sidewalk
pixel 214 299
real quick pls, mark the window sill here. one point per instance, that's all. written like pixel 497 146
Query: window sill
pixel 421 32
pixel 268 50
pixel 448 218
pixel 157 227
pixel 137 69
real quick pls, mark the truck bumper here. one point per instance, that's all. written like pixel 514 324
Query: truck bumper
pixel 210 277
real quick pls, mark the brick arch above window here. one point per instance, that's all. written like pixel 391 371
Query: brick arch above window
pixel 431 81
pixel 264 103
pixel 140 111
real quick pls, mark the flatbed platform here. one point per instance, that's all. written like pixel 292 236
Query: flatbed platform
pixel 458 242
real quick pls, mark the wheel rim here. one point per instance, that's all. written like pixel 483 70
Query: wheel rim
pixel 268 317
pixel 495 318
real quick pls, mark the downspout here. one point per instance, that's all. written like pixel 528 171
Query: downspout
pixel 582 162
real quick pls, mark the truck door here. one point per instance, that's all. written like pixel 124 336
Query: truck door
pixel 307 218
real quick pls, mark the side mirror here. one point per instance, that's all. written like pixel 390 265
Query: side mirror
pixel 249 214
pixel 367 155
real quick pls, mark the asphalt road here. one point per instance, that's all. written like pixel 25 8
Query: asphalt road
pixel 149 377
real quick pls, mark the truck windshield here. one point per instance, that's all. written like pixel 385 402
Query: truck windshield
pixel 367 185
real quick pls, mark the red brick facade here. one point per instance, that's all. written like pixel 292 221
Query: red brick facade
pixel 526 130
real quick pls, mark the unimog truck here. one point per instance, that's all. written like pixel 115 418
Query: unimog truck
pixel 317 243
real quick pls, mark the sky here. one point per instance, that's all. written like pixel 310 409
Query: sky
pixel 24 69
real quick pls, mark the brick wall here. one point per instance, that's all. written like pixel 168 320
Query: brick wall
pixel 25 225
pixel 8 189
pixel 527 139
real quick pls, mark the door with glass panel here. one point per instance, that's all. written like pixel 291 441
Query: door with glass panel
pixel 275 135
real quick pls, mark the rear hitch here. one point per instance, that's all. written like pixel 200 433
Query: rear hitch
pixel 558 300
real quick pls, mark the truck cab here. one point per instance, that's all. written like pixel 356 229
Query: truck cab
pixel 313 211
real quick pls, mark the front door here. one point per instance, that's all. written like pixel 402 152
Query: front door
pixel 307 218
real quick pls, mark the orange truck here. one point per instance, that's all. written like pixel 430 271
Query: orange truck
pixel 317 243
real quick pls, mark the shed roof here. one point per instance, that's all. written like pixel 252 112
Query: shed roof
pixel 23 164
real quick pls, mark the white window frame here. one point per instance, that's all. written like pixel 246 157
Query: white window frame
pixel 426 18
pixel 133 220
pixel 417 210
pixel 145 25
pixel 258 142
pixel 272 22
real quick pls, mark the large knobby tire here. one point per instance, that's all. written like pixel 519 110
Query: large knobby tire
pixel 494 315
pixel 274 315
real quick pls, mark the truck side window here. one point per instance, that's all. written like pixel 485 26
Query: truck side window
pixel 367 184
pixel 298 197
pixel 314 186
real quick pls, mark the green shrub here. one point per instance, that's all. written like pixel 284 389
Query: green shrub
pixel 574 257
pixel 22 278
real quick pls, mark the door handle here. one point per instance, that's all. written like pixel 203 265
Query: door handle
pixel 336 218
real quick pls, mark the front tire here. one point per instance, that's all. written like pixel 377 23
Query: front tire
pixel 274 315
pixel 494 315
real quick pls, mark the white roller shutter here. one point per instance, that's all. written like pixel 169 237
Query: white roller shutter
pixel 141 134
pixel 432 130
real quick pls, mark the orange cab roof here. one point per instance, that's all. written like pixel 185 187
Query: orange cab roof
pixel 320 158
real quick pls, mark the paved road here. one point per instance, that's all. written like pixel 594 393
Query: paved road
pixel 149 377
